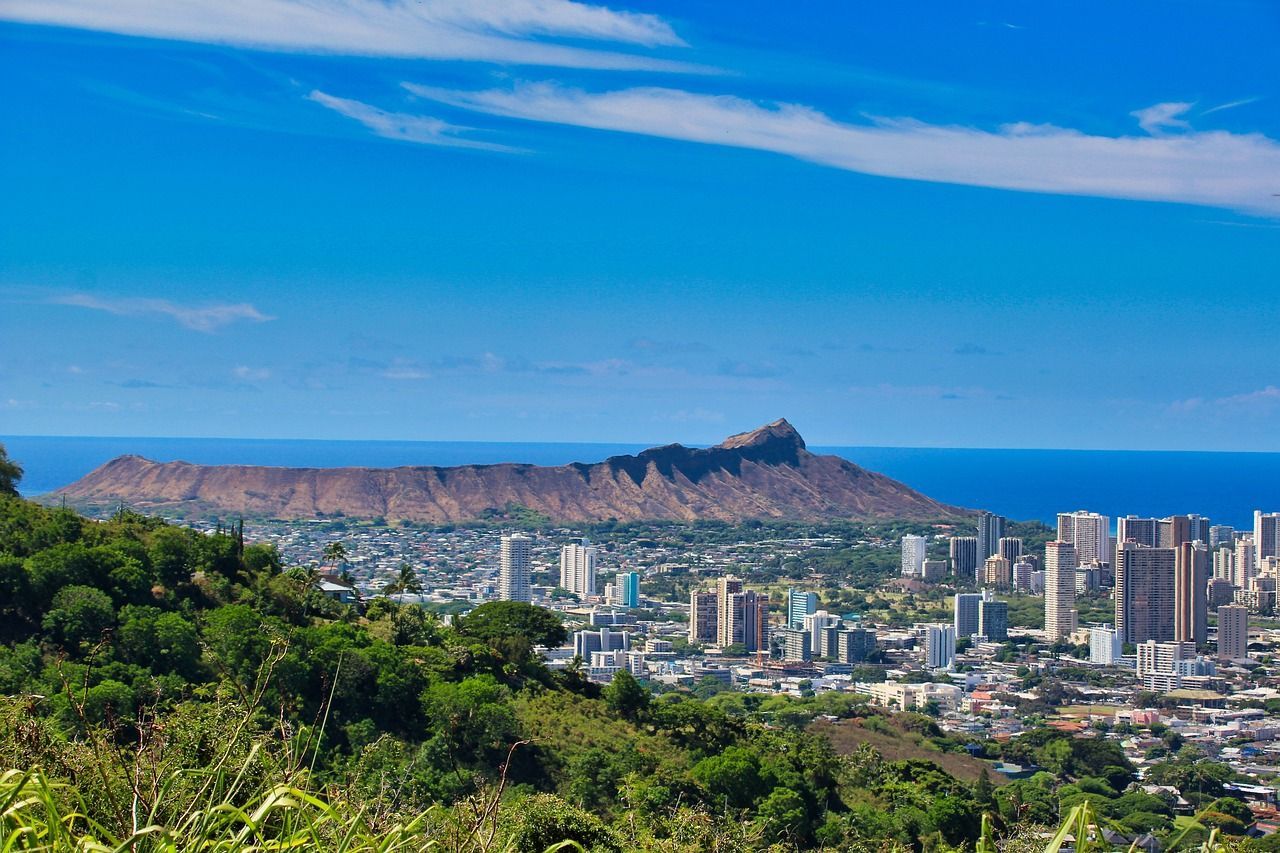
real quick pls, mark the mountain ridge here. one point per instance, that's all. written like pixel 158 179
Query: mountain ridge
pixel 763 473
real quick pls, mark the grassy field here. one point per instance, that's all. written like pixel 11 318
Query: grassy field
pixel 898 744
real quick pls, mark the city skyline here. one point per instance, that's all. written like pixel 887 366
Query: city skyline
pixel 897 228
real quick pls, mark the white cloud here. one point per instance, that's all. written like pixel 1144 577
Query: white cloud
pixel 401 126
pixel 203 318
pixel 251 374
pixel 486 30
pixel 1212 168
pixel 1157 117
pixel 1231 105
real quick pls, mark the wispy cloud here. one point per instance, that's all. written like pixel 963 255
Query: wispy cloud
pixel 1212 168
pixel 1231 105
pixel 1261 400
pixel 502 31
pixel 251 374
pixel 424 130
pixel 201 318
pixel 1157 118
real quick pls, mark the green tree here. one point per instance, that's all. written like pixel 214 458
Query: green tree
pixel 784 816
pixel 80 614
pixel 498 620
pixel 626 697
pixel 335 553
pixel 10 474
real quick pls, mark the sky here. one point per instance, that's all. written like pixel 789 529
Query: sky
pixel 956 224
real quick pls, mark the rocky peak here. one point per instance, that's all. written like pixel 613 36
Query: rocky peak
pixel 779 433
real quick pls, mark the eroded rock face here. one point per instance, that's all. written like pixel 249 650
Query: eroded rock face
pixel 765 473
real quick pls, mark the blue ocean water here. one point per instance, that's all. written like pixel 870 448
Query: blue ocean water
pixel 1021 484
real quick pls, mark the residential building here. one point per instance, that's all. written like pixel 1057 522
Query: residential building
pixel 1010 547
pixel 795 643
pixel 1105 645
pixel 1144 531
pixel 627 586
pixel 578 568
pixel 1173 531
pixel 854 645
pixel 1145 592
pixel 1233 632
pixel 939 646
pixel 704 623
pixel 513 567
pixel 1089 532
pixel 993 620
pixel 997 571
pixel 819 624
pixel 1266 534
pixel 1221 534
pixel 1059 589
pixel 913 555
pixel 964 556
pixel 743 616
pixel 800 604
pixel 585 643
pixel 1022 574
pixel 965 615
pixel 932 571
pixel 1191 606
pixel 990 532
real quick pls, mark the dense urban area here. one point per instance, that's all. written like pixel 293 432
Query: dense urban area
pixel 653 685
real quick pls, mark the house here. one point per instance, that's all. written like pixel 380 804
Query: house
pixel 337 591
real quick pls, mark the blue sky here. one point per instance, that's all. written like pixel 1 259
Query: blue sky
pixel 951 224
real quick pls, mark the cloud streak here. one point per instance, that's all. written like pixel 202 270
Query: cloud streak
pixel 486 30
pixel 202 318
pixel 1210 168
pixel 424 130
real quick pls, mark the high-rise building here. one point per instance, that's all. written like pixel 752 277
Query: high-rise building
pixel 1162 658
pixel 1246 554
pixel 854 645
pixel 965 614
pixel 513 567
pixel 1010 547
pixel 964 556
pixel 933 570
pixel 1173 531
pixel 1233 632
pixel 578 568
pixel 993 620
pixel 997 571
pixel 603 640
pixel 1089 532
pixel 1224 565
pixel 1144 531
pixel 1144 592
pixel 796 644
pixel 800 603
pixel 990 532
pixel 939 646
pixel 1022 574
pixel 820 624
pixel 1198 528
pixel 1059 589
pixel 1191 605
pixel 742 617
pixel 704 621
pixel 914 549
pixel 1105 646
pixel 1266 534
pixel 628 588
pixel 1221 534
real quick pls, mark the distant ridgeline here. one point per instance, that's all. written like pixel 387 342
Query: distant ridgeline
pixel 765 473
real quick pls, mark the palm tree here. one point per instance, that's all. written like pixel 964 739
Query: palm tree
pixel 335 553
pixel 408 580
pixel 10 474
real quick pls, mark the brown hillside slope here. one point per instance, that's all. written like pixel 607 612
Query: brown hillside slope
pixel 765 473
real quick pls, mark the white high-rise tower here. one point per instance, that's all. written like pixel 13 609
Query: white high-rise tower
pixel 1059 589
pixel 513 568
pixel 578 568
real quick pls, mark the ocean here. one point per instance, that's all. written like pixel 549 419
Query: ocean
pixel 1020 484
